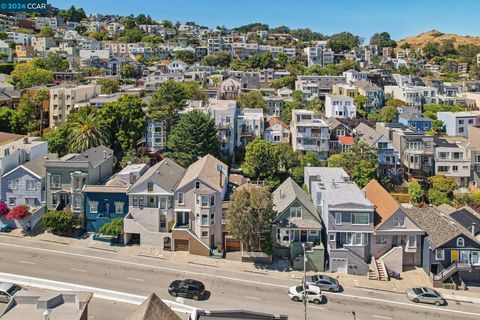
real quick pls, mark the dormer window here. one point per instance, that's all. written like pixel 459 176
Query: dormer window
pixel 197 184
pixel 150 186
pixel 460 242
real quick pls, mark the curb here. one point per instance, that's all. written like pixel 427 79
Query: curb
pixel 202 264
pixel 104 249
pixel 150 256
pixel 54 241
pixel 377 289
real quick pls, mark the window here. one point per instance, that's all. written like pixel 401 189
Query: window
pixel 412 242
pixel 140 202
pixel 169 202
pixel 76 202
pixel 357 239
pixel 118 207
pixel 13 184
pixel 93 206
pixel 382 145
pixel 54 199
pixel 181 199
pixel 460 242
pixel 313 232
pixel 76 183
pixel 212 200
pixel 55 181
pixel 454 168
pixel 12 202
pixel 204 219
pixel 204 234
pixel 163 203
pixel 135 201
pixel 439 255
pixel 338 218
pixel 331 237
pixel 31 185
pixel 460 121
pixel 360 218
pixel 150 186
pixel 197 184
pixel 399 221
pixel 203 201
pixel 381 239
pixel 295 212
pixel 163 221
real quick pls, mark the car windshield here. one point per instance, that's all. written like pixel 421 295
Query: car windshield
pixel 299 289
pixel 13 289
pixel 418 291
pixel 315 278
pixel 436 293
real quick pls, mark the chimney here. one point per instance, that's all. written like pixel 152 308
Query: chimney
pixel 104 154
pixel 473 228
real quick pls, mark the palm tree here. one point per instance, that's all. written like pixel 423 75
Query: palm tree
pixel 86 132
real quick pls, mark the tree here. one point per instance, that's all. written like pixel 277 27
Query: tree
pixel 58 221
pixel 252 99
pixel 395 103
pixel 443 184
pixel 113 228
pixel 73 14
pixel 127 71
pixel 54 62
pixel 124 122
pixel 448 47
pixel 46 32
pixel 382 40
pixel 186 56
pixel 311 160
pixel 27 115
pixel 288 81
pixel 282 60
pixel 133 35
pixel 194 91
pixel 363 172
pixel 6 119
pixel 194 136
pixel 389 114
pixel 360 102
pixel 249 215
pixel 431 50
pixel 288 158
pixel 58 140
pixel 415 192
pixel 170 98
pixel 109 86
pixel 338 160
pixel 261 61
pixel 347 64
pixel 374 116
pixel 261 159
pixel 437 197
pixel 220 59
pixel 437 126
pixel 131 157
pixel 26 75
pixel 343 41
pixel 307 35
pixel 18 212
pixel 86 132
pixel 286 112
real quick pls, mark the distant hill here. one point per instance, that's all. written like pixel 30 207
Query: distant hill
pixel 420 40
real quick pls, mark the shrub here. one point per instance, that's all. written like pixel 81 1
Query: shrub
pixel 19 212
pixel 438 197
pixel 58 221
pixel 3 209
pixel 113 228
pixel 415 192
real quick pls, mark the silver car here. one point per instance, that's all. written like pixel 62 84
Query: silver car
pixel 325 283
pixel 425 295
pixel 8 290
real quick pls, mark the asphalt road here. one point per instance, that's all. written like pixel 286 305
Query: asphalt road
pixel 228 290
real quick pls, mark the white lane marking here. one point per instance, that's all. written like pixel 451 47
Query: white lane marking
pixel 321 308
pixel 78 270
pixel 380 317
pixel 236 279
pixel 136 279
pixel 26 262
pixel 253 298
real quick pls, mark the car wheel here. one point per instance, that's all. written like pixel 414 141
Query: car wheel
pixel 438 303
pixel 173 293
pixel 415 300
pixel 316 301
pixel 331 290
pixel 195 297
pixel 296 299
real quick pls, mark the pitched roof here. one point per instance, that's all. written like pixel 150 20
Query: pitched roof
pixel 346 140
pixel 385 204
pixel 37 165
pixel 288 192
pixel 166 173
pixel 367 134
pixel 153 308
pixel 6 137
pixel 467 217
pixel 205 169
pixel 93 155
pixel 366 85
pixel 439 226
pixel 273 121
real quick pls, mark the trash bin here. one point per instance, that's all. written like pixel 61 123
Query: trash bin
pixel 4 228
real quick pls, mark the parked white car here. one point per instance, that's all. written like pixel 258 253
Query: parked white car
pixel 313 294
pixel 8 290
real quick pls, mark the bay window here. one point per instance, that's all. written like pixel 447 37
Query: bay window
pixel 360 218
pixel 93 206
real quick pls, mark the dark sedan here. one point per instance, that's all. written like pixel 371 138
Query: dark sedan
pixel 188 288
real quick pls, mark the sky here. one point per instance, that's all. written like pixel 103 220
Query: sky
pixel 361 17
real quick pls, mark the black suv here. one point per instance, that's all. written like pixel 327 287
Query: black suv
pixel 187 288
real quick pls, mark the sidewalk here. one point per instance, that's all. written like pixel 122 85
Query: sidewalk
pixel 411 278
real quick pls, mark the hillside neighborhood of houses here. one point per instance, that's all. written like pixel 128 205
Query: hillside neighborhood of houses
pixel 278 147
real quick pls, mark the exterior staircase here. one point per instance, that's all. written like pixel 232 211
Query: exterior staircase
pixel 439 278
pixel 377 270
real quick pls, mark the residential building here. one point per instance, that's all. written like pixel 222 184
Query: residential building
pixel 452 159
pixel 223 113
pixel 345 89
pixel 317 86
pixel 8 22
pixel 374 94
pixel 448 250
pixel 275 105
pixel 109 201
pixel 337 131
pixel 33 304
pixel 474 149
pixel 309 133
pixel 457 123
pixel 151 201
pixel 414 119
pixel 199 220
pixel 337 106
pixel 319 55
pixel 353 76
pixel 297 223
pixel 23 51
pixel 414 96
pixel 230 88
pixel 24 39
pixel 276 131
pixel 65 98
pixel 156 136
pixel 42 44
pixel 416 148
pixel 250 124
pixel 348 218
pixel 67 176
pixel 397 238
pixel 466 216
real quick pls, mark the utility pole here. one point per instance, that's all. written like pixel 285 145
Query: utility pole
pixel 304 281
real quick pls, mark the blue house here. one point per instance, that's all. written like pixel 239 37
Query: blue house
pixel 449 250
pixel 103 203
pixel 415 119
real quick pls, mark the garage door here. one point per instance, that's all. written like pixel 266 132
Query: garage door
pixel 339 265
pixel 181 245
pixel 232 244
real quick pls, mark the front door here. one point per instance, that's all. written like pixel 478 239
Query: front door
pixel 303 236
pixel 454 255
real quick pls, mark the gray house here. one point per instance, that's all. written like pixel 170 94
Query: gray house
pixel 297 223
pixel 67 176
pixel 347 216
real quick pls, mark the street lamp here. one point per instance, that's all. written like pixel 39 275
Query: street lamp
pixel 304 280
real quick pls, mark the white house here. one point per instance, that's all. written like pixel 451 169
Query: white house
pixel 309 133
pixel 338 106
pixel 353 76
pixel 456 123
pixel 276 131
